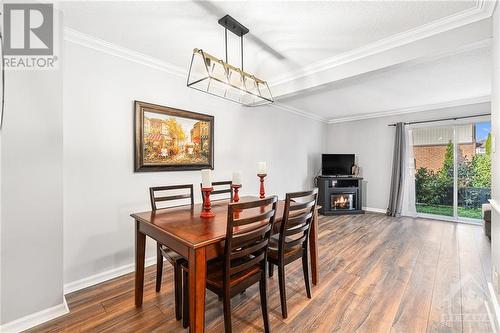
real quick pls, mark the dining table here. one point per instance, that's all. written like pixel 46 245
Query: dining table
pixel 198 240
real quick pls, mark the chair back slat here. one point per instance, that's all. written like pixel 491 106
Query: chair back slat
pixel 247 239
pixel 300 206
pixel 237 267
pixel 155 196
pixel 221 187
pixel 249 235
pixel 244 251
pixel 172 197
pixel 296 229
pixel 296 222
pixel 293 243
pixel 300 218
pixel 252 219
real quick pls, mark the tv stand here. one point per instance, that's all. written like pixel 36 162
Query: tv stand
pixel 340 195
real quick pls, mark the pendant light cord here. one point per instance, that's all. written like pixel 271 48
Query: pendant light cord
pixel 225 42
pixel 225 46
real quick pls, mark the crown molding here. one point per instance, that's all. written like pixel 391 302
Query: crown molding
pixel 482 10
pixel 420 108
pixel 98 44
pixel 299 112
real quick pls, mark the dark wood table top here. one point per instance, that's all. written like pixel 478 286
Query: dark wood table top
pixel 185 224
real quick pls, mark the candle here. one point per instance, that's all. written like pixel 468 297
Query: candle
pixel 237 178
pixel 206 178
pixel 261 168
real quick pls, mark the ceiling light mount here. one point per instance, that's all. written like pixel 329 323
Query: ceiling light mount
pixel 219 78
pixel 234 26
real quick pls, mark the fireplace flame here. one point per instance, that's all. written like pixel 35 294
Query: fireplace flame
pixel 340 202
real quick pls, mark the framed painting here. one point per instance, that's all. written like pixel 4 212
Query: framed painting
pixel 168 139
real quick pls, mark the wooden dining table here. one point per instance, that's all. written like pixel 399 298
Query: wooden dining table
pixel 198 240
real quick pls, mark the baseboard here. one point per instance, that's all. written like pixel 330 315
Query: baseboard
pixel 104 276
pixel 43 316
pixel 496 306
pixel 35 319
pixel 375 210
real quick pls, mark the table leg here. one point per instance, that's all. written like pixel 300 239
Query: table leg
pixel 313 247
pixel 197 283
pixel 140 251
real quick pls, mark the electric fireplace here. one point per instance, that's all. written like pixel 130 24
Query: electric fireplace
pixel 343 201
pixel 340 195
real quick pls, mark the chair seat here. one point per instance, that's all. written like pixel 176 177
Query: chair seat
pixel 272 252
pixel 172 256
pixel 215 274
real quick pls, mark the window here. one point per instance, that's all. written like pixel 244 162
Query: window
pixel 453 170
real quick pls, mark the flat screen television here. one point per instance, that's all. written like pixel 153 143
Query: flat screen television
pixel 337 164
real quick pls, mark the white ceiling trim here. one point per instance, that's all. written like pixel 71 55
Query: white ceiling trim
pixel 482 10
pixel 98 44
pixel 298 112
pixel 420 108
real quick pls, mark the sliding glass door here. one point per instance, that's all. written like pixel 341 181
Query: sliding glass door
pixel 453 170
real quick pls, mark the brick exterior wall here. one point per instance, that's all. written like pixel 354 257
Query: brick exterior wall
pixel 432 157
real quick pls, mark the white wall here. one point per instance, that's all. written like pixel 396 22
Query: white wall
pixel 31 194
pixel 495 119
pixel 100 187
pixel 372 141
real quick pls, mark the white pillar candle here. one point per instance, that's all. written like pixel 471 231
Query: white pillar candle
pixel 261 168
pixel 206 178
pixel 237 178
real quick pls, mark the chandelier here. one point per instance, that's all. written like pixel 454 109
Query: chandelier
pixel 217 77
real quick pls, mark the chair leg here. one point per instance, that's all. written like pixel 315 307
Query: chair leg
pixel 159 267
pixel 185 299
pixel 305 268
pixel 178 291
pixel 271 269
pixel 281 280
pixel 263 301
pixel 227 313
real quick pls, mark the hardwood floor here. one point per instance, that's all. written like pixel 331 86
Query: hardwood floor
pixel 378 274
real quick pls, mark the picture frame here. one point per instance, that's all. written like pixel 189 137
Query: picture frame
pixel 170 139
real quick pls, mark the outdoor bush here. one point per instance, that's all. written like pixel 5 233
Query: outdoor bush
pixel 474 180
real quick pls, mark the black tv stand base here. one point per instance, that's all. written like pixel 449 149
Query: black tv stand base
pixel 341 212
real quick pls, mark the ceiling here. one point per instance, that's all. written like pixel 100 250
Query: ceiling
pixel 287 36
pixel 460 76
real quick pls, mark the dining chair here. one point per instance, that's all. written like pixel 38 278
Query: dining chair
pixel 292 241
pixel 244 263
pixel 157 195
pixel 221 187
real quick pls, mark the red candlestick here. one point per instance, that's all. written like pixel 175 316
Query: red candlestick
pixel 262 191
pixel 236 188
pixel 207 205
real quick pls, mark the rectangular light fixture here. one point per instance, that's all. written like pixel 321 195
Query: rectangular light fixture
pixel 216 77
pixel 219 78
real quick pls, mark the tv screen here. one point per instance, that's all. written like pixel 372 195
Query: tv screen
pixel 337 164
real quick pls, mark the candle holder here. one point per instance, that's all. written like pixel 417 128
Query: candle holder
pixel 207 205
pixel 262 190
pixel 236 196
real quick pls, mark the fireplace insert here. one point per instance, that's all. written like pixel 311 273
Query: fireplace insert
pixel 343 201
pixel 340 195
